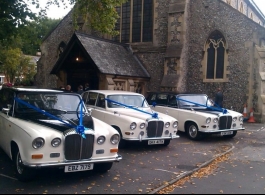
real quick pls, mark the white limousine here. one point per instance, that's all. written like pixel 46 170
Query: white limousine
pixel 197 115
pixel 130 114
pixel 49 128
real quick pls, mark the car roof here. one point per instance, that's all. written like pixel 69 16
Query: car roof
pixel 174 93
pixel 114 92
pixel 32 89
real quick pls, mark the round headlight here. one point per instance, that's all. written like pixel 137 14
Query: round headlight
pixel 175 124
pixel 167 124
pixel 56 142
pixel 142 126
pixel 115 139
pixel 241 118
pixel 234 119
pixel 208 120
pixel 215 120
pixel 101 140
pixel 38 143
pixel 133 126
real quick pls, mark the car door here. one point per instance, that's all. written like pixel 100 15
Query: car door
pixel 100 107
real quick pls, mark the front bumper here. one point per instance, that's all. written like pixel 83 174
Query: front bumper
pixel 140 138
pixel 65 163
pixel 223 130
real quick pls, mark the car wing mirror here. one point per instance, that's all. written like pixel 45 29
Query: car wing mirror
pixel 6 110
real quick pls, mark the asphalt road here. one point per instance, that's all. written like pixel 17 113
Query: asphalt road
pixel 145 169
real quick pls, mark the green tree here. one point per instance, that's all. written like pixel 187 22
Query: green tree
pixel 101 15
pixel 11 60
pixel 14 13
pixel 33 33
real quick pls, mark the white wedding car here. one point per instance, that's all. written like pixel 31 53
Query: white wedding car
pixel 50 128
pixel 196 114
pixel 130 114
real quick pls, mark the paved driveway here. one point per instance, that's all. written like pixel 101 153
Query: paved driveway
pixel 142 170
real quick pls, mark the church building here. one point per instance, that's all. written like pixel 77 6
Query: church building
pixel 166 45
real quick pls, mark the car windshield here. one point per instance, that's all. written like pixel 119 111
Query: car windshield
pixel 194 101
pixel 121 101
pixel 50 102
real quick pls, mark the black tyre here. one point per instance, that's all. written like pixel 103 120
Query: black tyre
pixel 193 132
pixel 232 135
pixel 102 167
pixel 122 144
pixel 23 173
pixel 167 142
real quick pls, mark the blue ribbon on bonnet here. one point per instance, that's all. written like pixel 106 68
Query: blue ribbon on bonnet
pixel 80 129
pixel 154 115
pixel 224 111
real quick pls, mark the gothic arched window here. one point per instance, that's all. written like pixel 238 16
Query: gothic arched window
pixel 136 21
pixel 215 57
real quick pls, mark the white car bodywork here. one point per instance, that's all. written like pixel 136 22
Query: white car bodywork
pixel 129 113
pixel 197 115
pixel 58 143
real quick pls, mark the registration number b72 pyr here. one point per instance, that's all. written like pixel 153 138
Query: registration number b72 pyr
pixel 75 168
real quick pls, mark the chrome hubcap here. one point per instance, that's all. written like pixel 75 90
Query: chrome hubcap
pixel 193 131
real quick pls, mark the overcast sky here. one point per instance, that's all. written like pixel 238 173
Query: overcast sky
pixel 56 13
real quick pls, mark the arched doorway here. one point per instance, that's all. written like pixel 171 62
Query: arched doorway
pixel 81 69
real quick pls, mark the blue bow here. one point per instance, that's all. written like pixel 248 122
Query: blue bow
pixel 154 115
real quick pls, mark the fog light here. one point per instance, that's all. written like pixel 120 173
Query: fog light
pixel 166 132
pixel 214 126
pixel 234 124
pixel 142 133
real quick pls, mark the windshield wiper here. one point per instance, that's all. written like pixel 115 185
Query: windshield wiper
pixel 57 110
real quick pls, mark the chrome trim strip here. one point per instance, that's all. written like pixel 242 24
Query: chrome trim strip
pixel 153 138
pixel 116 159
pixel 218 131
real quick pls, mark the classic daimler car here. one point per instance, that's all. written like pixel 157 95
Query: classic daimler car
pixel 49 128
pixel 130 114
pixel 197 115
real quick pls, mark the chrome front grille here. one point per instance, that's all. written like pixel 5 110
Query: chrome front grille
pixel 225 122
pixel 76 147
pixel 155 128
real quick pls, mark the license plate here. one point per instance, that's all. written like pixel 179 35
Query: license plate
pixel 227 133
pixel 153 142
pixel 76 168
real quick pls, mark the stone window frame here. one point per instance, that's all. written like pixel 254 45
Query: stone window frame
pixel 205 59
pixel 145 35
pixel 251 16
pixel 241 7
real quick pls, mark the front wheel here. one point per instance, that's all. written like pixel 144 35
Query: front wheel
pixel 102 167
pixel 193 132
pixel 23 173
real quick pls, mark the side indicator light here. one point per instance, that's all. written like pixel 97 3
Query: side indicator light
pixel 37 156
pixel 114 150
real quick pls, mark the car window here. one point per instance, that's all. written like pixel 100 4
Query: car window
pixel 162 99
pixel 85 96
pixel 6 98
pixel 193 100
pixel 47 101
pixel 92 97
pixel 101 101
pixel 151 98
pixel 127 100
pixel 172 100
